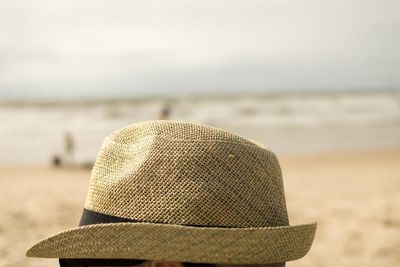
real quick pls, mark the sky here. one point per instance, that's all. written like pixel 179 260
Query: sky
pixel 96 48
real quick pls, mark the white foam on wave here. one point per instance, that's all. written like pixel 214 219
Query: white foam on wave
pixel 32 133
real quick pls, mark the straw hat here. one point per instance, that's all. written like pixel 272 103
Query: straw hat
pixel 184 192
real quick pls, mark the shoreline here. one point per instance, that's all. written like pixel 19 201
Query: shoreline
pixel 285 156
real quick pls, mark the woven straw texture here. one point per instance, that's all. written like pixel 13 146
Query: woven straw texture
pixel 199 194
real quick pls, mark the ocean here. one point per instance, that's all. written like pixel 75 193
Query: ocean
pixel 287 123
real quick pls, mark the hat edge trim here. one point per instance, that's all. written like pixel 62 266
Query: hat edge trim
pixel 309 235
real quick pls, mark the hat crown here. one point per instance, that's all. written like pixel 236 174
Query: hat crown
pixel 184 173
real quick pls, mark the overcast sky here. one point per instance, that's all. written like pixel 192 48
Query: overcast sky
pixel 95 48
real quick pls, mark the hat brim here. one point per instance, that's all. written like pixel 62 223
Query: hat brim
pixel 179 243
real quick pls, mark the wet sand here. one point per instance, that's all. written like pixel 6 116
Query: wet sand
pixel 353 195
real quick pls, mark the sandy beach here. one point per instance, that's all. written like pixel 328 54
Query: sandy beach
pixel 353 195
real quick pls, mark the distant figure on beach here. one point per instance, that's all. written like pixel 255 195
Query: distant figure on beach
pixel 69 148
pixel 165 112
pixel 56 161
pixel 201 197
pixel 67 158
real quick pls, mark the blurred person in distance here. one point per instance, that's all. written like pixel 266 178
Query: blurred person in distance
pixel 69 148
pixel 165 112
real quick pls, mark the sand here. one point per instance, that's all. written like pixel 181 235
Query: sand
pixel 353 195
